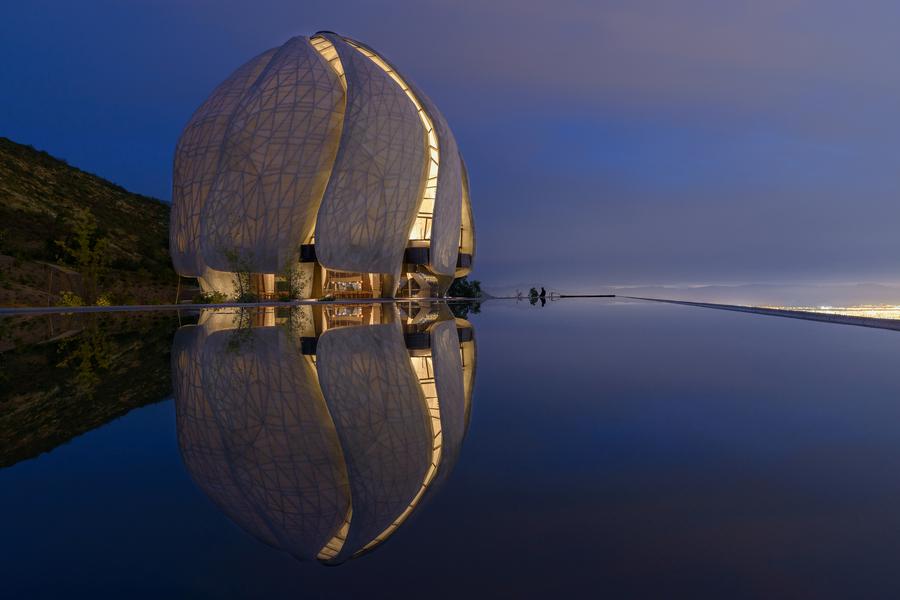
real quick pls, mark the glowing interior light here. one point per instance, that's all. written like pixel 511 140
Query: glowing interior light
pixel 421 229
pixel 326 50
pixel 333 547
pixel 424 369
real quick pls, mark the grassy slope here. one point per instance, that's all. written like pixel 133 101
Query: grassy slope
pixel 38 195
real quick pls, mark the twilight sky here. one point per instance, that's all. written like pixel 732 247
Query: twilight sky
pixel 628 142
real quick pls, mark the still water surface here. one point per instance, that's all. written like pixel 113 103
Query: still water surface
pixel 588 448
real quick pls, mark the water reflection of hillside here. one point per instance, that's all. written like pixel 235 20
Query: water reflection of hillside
pixel 63 375
pixel 320 429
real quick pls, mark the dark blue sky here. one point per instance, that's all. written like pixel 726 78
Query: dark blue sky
pixel 625 142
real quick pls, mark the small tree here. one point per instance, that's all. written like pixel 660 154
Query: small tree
pixel 241 337
pixel 462 309
pixel 463 288
pixel 89 354
pixel 70 299
pixel 89 252
pixel 297 280
pixel 241 265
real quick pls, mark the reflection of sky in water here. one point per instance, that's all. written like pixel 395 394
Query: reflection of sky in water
pixel 620 449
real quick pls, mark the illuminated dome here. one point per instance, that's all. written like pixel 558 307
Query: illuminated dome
pixel 320 430
pixel 317 163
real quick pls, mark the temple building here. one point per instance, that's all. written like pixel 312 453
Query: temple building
pixel 320 429
pixel 317 169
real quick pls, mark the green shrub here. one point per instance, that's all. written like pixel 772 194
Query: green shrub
pixel 463 288
pixel 247 298
pixel 211 298
pixel 69 299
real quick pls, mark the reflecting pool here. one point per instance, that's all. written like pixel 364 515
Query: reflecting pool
pixel 583 448
pixel 319 430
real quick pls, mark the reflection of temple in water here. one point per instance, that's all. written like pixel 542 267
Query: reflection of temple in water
pixel 319 429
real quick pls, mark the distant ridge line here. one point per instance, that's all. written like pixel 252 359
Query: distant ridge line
pixel 893 324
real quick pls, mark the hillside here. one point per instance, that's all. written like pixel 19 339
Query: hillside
pixel 39 198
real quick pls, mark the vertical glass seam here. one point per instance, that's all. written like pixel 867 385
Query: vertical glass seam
pixel 421 229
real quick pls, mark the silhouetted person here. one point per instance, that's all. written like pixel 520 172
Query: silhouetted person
pixel 543 292
pixel 543 301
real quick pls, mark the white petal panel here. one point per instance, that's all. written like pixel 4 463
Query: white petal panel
pixel 448 202
pixel 259 439
pixel 467 243
pixel 199 439
pixel 376 184
pixel 448 379
pixel 382 421
pixel 276 161
pixel 196 163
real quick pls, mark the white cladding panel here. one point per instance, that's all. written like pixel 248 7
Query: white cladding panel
pixel 467 244
pixel 448 203
pixel 448 379
pixel 199 438
pixel 378 176
pixel 197 160
pixel 276 161
pixel 382 421
pixel 259 440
